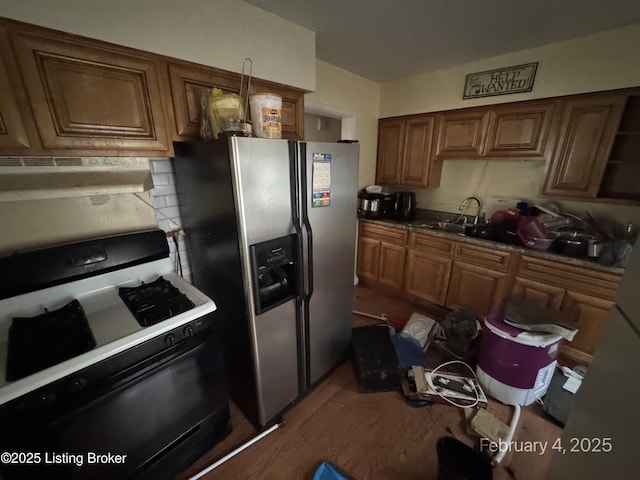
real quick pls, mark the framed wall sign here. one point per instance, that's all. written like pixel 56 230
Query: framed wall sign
pixel 501 81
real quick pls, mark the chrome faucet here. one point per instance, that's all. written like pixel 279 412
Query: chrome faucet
pixel 477 200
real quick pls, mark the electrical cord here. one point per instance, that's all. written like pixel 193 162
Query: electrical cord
pixel 178 259
pixel 430 374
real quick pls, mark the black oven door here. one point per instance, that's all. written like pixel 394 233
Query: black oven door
pixel 151 420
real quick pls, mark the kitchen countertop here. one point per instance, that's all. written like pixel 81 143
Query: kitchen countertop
pixel 579 262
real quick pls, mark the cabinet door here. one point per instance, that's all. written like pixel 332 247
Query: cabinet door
pixel 390 147
pixel 13 134
pixel 475 288
pixel 538 293
pixel 428 276
pixel 392 258
pixel 587 130
pixel 417 151
pixel 519 130
pixel 188 85
pixel 591 314
pixel 368 258
pixel 86 99
pixel 462 134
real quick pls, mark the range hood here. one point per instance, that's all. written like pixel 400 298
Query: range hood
pixel 47 178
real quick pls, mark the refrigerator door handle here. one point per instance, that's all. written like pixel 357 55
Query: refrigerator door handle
pixel 305 220
pixel 295 197
pixel 301 328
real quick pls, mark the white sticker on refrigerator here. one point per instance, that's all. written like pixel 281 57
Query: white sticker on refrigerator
pixel 321 180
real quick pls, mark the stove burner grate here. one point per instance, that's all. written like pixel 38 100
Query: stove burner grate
pixel 39 342
pixel 153 302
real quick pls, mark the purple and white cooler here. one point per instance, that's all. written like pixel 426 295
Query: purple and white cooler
pixel 515 366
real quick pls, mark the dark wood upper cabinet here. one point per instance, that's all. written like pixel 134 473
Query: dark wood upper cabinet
pixel 66 95
pixel 404 152
pixel 418 133
pixel 390 148
pixel 461 134
pixel 587 131
pixel 520 130
pixel 13 132
pixel 86 99
pixel 292 106
pixel 189 83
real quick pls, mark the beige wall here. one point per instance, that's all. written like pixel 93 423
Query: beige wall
pixel 35 223
pixel 220 33
pixel 358 97
pixel 602 61
pixel 607 60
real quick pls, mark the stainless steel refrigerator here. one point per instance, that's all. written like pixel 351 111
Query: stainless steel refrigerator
pixel 600 436
pixel 271 227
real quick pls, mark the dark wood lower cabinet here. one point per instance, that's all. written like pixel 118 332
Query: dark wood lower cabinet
pixel 392 259
pixel 538 293
pixel 436 271
pixel 474 288
pixel 382 253
pixel 427 276
pixel 591 315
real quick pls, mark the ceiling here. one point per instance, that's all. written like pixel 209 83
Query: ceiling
pixel 385 40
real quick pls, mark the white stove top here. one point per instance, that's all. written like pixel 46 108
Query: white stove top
pixel 113 326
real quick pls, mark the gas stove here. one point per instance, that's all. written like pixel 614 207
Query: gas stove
pixel 52 332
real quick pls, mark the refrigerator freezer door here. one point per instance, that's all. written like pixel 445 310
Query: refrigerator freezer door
pixel 262 189
pixel 628 299
pixel 261 177
pixel 600 435
pixel 276 359
pixel 334 236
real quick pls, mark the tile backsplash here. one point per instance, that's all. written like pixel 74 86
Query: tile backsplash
pixel 167 210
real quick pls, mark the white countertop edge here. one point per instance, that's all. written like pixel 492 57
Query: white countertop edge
pixel 16 389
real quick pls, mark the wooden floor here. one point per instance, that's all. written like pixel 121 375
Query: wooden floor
pixel 368 435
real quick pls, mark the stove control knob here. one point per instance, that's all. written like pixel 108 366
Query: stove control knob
pixel 188 331
pixel 170 340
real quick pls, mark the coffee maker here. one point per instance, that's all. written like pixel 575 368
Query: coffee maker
pixel 404 206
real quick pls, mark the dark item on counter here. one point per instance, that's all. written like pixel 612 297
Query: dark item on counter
pixel 405 206
pixel 370 205
pixel 527 210
pixel 502 216
pixel 486 231
pixel 507 233
pixel 572 244
pixel 615 254
pixel 596 227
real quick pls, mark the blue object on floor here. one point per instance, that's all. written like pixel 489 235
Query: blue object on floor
pixel 408 350
pixel 326 471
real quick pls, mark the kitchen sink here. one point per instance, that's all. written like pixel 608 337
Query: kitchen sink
pixel 441 225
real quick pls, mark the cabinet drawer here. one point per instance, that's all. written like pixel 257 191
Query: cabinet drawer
pixel 492 258
pixel 592 282
pixel 385 234
pixel 431 243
